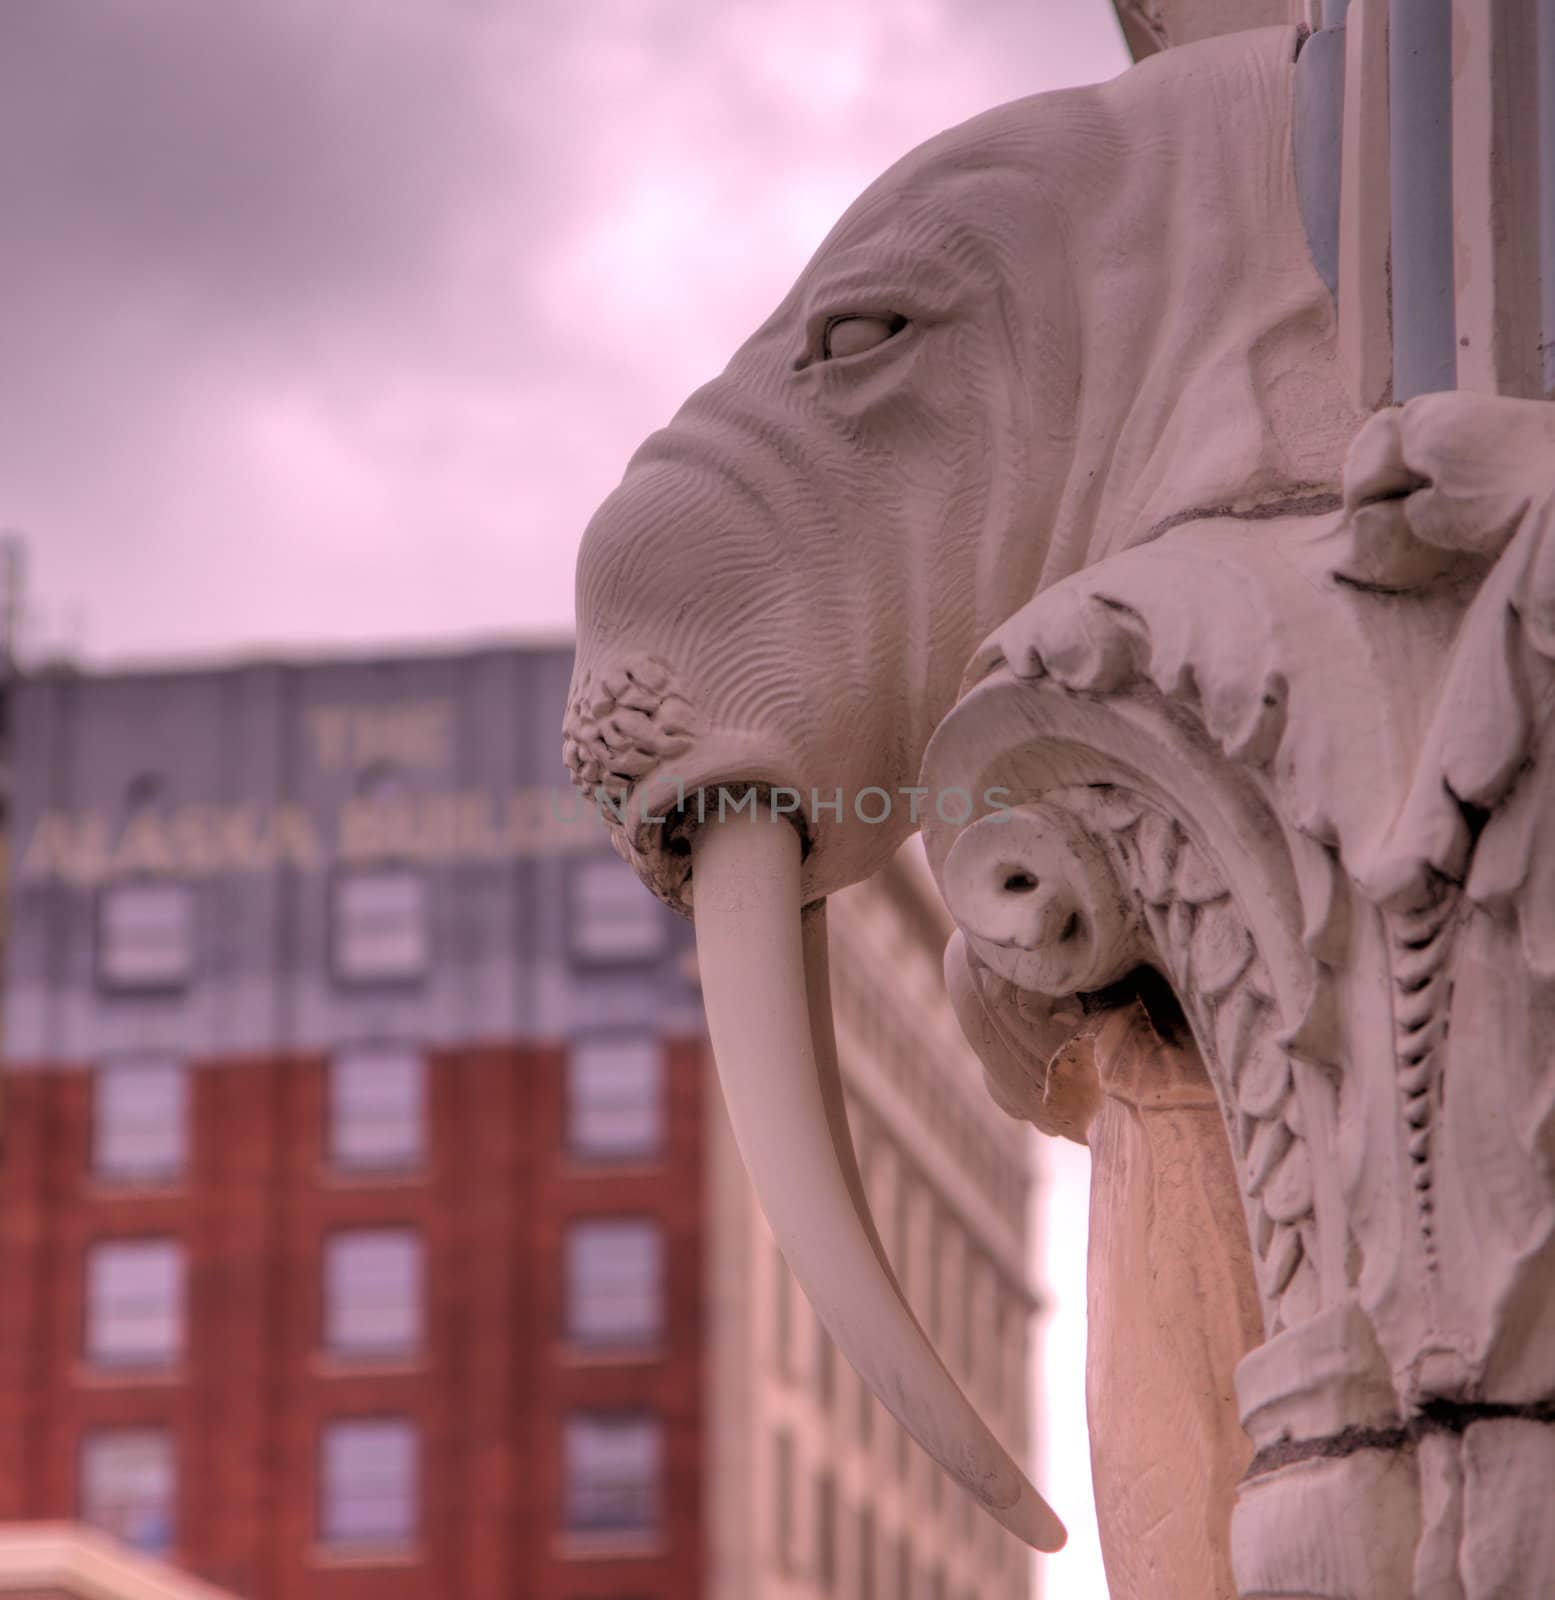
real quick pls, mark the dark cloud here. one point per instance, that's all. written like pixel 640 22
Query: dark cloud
pixel 324 320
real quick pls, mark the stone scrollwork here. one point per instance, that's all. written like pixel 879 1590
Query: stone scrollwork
pixel 1113 880
pixel 1301 771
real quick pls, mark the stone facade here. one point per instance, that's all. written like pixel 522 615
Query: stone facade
pixel 259 784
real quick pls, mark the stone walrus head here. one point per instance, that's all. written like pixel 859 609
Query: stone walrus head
pixel 1040 338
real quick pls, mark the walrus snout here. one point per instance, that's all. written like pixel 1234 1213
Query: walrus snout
pixel 622 724
pixel 674 590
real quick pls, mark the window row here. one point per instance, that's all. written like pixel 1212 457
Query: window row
pixel 369 1488
pixel 969 1308
pixel 377 1109
pixel 370 1478
pixel 375 1292
pixel 882 1567
pixel 380 927
pixel 989 1359
pixel 886 1034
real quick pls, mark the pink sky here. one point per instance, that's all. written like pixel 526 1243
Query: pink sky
pixel 333 323
pixel 330 324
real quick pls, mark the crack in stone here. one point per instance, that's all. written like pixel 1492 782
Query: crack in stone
pixel 1292 505
pixel 1434 1417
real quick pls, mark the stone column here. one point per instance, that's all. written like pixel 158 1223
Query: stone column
pixel 1292 791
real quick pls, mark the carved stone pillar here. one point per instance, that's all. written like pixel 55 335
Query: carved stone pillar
pixel 1300 769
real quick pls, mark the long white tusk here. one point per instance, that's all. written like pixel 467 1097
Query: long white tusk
pixel 763 970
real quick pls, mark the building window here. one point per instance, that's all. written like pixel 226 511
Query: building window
pixel 784 1532
pixel 135 1302
pixel 145 935
pixel 615 1282
pixel 615 1098
pixel 902 1262
pixel 826 1533
pixel 825 1369
pixel 373 1292
pixel 934 1285
pixel 128 1486
pixel 974 1307
pixel 381 925
pixel 782 1315
pixel 377 1108
pixel 613 1465
pixel 866 1415
pixel 369 1475
pixel 1000 1352
pixel 139 1121
pixel 611 916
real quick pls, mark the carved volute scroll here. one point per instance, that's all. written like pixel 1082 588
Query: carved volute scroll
pixel 1300 769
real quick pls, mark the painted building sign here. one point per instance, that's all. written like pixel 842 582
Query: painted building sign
pixel 196 841
pixel 444 826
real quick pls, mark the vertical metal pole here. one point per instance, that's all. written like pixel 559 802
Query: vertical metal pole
pixel 1420 122
pixel 1365 342
pixel 13 562
pixel 1546 178
pixel 12 577
pixel 1495 146
pixel 1319 145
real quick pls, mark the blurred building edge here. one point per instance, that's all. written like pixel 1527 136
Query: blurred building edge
pixel 64 1561
pixel 13 584
pixel 815 1490
pixel 13 572
pixel 367 1227
pixel 13 581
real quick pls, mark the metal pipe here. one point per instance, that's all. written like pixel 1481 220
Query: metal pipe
pixel 1546 181
pixel 1420 127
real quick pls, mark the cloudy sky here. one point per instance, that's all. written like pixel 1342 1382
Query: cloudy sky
pixel 329 323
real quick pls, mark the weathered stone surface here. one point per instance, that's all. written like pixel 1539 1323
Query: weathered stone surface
pixel 1309 766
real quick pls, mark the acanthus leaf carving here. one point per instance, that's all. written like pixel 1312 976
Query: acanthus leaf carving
pixel 1319 762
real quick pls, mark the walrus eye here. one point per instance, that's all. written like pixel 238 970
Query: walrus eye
pixel 852 335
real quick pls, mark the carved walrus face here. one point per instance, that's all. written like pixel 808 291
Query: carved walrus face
pixel 786 586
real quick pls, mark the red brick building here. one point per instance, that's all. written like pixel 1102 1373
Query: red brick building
pixel 248 1399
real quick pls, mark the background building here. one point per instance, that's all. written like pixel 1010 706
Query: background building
pixel 365 1228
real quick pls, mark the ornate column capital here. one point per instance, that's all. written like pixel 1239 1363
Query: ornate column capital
pixel 1299 767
